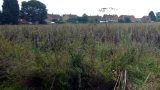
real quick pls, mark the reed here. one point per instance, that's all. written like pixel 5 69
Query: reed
pixel 80 57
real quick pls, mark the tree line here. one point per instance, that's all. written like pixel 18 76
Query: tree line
pixel 35 12
pixel 31 11
pixel 82 19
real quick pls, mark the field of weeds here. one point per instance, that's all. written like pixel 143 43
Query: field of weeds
pixel 80 57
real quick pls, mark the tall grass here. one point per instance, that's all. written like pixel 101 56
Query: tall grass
pixel 80 57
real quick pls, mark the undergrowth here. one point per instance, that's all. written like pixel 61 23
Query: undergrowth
pixel 79 57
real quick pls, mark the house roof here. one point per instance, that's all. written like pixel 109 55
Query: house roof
pixel 110 16
pixel 70 15
pixel 53 16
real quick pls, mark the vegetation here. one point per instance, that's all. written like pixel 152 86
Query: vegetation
pixel 34 11
pixel 83 19
pixel 152 16
pixel 73 20
pixel 125 20
pixel 0 17
pixel 80 57
pixel 10 12
pixel 158 17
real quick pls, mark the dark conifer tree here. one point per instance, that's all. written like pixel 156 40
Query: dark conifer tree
pixel 10 11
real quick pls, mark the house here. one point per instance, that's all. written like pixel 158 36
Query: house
pixel 49 17
pixel 66 17
pixel 56 17
pixel 123 18
pixel 146 19
pixel 94 19
pixel 110 18
pixel 53 17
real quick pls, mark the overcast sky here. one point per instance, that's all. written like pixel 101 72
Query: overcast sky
pixel 91 7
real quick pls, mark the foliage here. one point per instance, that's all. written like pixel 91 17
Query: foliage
pixel 34 11
pixel 79 56
pixel 152 16
pixel 10 12
pixel 72 20
pixel 1 17
pixel 125 20
pixel 83 19
pixel 158 17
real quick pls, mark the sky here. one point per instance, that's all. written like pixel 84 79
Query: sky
pixel 138 8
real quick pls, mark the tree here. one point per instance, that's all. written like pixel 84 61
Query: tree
pixel 125 20
pixel 152 16
pixel 10 11
pixel 158 16
pixel 0 17
pixel 72 20
pixel 34 11
pixel 83 19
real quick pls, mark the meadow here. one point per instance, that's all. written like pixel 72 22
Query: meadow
pixel 80 57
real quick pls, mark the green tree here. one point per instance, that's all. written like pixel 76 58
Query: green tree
pixel 152 16
pixel 125 20
pixel 0 17
pixel 158 16
pixel 34 11
pixel 10 10
pixel 83 19
pixel 72 20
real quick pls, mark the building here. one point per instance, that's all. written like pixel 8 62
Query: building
pixel 56 17
pixel 110 18
pixel 146 19
pixel 94 19
pixel 66 17
pixel 53 17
